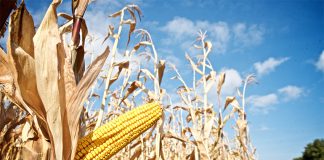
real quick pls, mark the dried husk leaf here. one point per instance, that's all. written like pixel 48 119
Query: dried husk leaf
pixel 193 65
pixel 8 79
pixel 50 82
pixel 65 16
pixel 38 149
pixel 220 82
pixel 75 103
pixel 134 85
pixel 116 14
pixel 161 67
pixel 79 65
pixel 5 74
pixel 21 52
pixel 203 150
pixel 22 29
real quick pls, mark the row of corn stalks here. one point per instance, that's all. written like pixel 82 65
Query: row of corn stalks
pixel 48 97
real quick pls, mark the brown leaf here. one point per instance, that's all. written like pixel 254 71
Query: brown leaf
pixel 65 16
pixel 193 65
pixel 22 29
pixel 8 80
pixel 110 32
pixel 70 83
pixel 132 88
pixel 21 52
pixel 208 45
pixel 74 105
pixel 5 74
pixel 220 82
pixel 121 65
pixel 228 101
pixel 116 14
pixel 137 153
pixel 25 67
pixel 161 67
pixel 47 57
pixel 79 65
pixel 36 149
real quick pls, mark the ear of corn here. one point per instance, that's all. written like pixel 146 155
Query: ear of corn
pixel 108 139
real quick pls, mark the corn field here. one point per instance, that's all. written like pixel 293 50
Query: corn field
pixel 50 108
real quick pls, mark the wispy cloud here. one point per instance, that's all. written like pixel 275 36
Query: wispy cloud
pixel 248 35
pixel 290 92
pixel 320 62
pixel 182 29
pixel 233 80
pixel 263 103
pixel 268 65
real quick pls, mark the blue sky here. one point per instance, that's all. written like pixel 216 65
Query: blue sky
pixel 281 41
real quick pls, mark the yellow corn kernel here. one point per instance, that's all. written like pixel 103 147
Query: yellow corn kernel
pixel 110 138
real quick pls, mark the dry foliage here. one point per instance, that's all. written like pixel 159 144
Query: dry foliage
pixel 47 94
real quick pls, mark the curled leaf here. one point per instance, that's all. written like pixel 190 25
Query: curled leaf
pixel 220 82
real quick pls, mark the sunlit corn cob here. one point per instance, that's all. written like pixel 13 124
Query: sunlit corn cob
pixel 108 139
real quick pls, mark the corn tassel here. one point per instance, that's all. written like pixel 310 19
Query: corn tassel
pixel 108 139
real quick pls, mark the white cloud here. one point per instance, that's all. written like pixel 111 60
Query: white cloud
pixel 269 65
pixel 184 30
pixel 173 60
pixel 233 80
pixel 320 62
pixel 290 92
pixel 248 36
pixel 262 103
pixel 180 27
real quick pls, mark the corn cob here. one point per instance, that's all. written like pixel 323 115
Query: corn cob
pixel 108 139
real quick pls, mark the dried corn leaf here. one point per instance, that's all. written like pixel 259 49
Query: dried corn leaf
pixel 56 2
pixel 8 80
pixel 5 74
pixel 27 133
pixel 207 128
pixel 110 32
pixel 134 85
pixel 147 73
pixel 70 83
pixel 74 105
pixel 21 52
pixel 208 45
pixel 79 65
pixel 22 29
pixel 116 14
pixel 161 67
pixel 203 150
pixel 137 153
pixel 36 149
pixel 25 67
pixel 220 82
pixel 65 16
pixel 193 65
pixel 232 101
pixel 47 55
